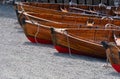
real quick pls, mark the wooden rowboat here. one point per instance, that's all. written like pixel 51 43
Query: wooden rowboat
pixel 63 14
pixel 81 20
pixel 61 18
pixel 28 8
pixel 82 41
pixel 88 9
pixel 113 54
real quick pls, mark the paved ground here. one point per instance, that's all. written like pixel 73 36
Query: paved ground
pixel 20 59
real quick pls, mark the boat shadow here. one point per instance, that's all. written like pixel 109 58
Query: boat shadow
pixel 65 55
pixel 81 57
pixel 114 73
pixel 38 44
pixel 16 22
pixel 19 29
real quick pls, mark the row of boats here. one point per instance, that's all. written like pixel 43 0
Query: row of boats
pixel 73 29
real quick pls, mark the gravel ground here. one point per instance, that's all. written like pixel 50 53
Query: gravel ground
pixel 20 59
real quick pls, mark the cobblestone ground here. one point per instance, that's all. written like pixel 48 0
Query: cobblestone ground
pixel 20 59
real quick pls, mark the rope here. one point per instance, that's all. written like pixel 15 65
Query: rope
pixel 68 43
pixel 35 37
pixel 37 33
pixel 28 18
pixel 112 54
pixel 63 10
pixel 107 60
pixel 22 7
pixel 111 25
pixel 38 26
pixel 22 11
pixel 113 44
pixel 106 17
pixel 118 51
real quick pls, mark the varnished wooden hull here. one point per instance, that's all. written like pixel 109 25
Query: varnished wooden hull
pixel 46 10
pixel 37 33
